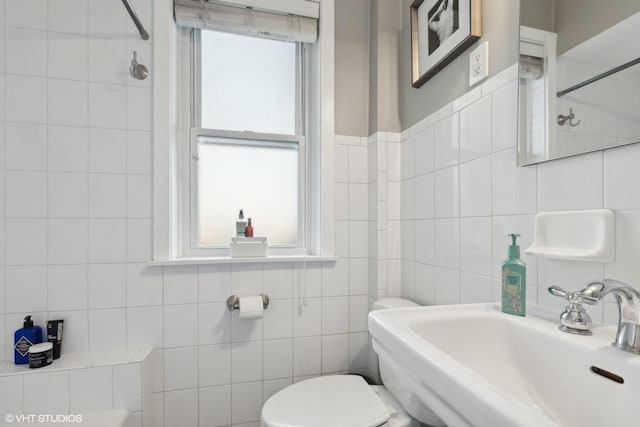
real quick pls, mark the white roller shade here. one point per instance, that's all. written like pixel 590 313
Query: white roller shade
pixel 279 24
pixel 531 62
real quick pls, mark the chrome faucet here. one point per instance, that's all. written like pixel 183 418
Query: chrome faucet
pixel 628 299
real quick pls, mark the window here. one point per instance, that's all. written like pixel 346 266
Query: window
pixel 247 141
pixel 537 91
pixel 241 121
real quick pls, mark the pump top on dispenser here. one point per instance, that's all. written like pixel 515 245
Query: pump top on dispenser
pixel 514 280
pixel 514 248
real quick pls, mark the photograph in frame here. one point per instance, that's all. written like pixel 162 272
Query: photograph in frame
pixel 440 31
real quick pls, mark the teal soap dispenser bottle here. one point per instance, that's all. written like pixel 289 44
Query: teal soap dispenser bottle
pixel 514 280
pixel 24 338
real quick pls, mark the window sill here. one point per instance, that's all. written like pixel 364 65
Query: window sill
pixel 253 260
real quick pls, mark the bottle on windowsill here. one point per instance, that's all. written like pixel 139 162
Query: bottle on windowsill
pixel 249 230
pixel 241 225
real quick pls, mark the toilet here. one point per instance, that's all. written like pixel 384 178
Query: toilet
pixel 348 401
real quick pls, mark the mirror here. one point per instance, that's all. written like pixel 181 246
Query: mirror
pixel 579 77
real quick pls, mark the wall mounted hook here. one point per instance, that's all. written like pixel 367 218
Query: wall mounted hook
pixel 569 118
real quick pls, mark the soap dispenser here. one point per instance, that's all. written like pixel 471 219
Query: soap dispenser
pixel 514 280
pixel 24 338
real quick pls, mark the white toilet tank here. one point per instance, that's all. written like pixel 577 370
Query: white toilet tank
pixel 398 388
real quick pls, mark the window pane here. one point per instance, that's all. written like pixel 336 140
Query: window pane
pixel 248 83
pixel 259 177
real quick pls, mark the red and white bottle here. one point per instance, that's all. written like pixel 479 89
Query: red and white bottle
pixel 248 232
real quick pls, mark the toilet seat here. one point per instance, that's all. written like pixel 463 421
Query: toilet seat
pixel 334 400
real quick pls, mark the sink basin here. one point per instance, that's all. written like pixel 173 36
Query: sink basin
pixel 476 366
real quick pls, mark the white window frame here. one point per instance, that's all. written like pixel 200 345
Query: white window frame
pixel 548 41
pixel 167 235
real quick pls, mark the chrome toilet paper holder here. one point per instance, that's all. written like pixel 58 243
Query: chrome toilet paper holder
pixel 233 302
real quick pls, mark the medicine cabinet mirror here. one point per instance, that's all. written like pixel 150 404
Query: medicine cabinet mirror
pixel 579 77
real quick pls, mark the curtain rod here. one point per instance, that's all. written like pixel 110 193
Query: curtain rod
pixel 599 77
pixel 143 33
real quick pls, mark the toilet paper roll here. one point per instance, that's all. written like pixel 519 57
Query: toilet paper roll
pixel 251 307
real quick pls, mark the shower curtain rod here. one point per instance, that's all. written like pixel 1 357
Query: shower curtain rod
pixel 599 77
pixel 143 33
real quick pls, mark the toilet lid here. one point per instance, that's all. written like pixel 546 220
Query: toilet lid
pixel 334 400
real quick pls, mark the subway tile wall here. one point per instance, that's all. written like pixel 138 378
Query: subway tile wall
pixel 76 170
pixel 462 193
pixel 75 222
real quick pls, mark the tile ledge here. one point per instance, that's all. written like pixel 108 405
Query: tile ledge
pixel 72 361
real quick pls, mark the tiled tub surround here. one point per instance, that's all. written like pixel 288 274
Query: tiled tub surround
pixel 82 383
pixel 462 193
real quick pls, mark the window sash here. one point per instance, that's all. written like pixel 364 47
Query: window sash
pixel 196 101
pixel 244 138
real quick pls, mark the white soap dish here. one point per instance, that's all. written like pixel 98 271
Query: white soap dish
pixel 587 235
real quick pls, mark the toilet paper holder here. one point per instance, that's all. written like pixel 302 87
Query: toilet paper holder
pixel 233 302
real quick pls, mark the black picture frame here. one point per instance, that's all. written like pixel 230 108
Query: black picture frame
pixel 440 31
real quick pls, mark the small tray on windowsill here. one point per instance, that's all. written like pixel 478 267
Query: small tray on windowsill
pixel 248 247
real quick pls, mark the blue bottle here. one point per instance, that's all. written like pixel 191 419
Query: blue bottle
pixel 24 338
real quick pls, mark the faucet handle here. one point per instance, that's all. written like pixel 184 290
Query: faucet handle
pixel 574 319
pixel 557 291
pixel 578 297
pixel 592 292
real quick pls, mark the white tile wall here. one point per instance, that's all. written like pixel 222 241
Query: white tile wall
pixel 446 142
pixel 481 196
pixel 447 192
pixel 48 393
pixel 81 384
pixel 476 129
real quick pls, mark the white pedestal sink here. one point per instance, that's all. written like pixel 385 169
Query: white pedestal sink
pixel 476 366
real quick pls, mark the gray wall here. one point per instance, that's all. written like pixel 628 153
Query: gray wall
pixel 352 67
pixel 373 60
pixel 579 20
pixel 367 48
pixel 385 38
pixel 373 67
pixel 500 26
pixel 537 14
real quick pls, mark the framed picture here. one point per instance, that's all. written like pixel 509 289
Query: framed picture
pixel 440 31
